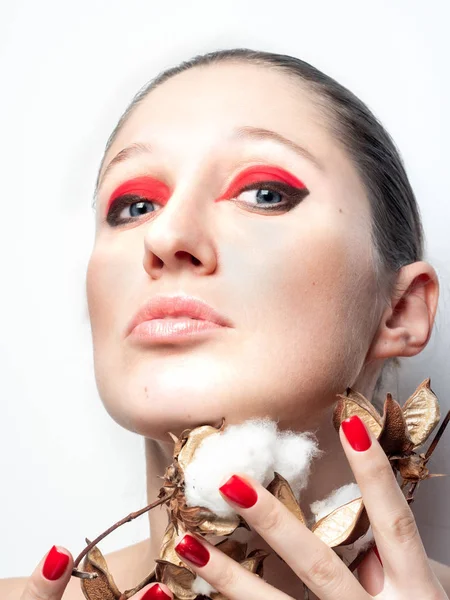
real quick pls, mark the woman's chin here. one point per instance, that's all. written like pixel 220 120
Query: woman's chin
pixel 159 427
pixel 154 416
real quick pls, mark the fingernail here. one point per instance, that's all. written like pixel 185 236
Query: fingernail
pixel 191 549
pixel 239 491
pixel 375 549
pixel 356 433
pixel 55 564
pixel 155 593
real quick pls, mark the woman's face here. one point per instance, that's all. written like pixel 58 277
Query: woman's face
pixel 296 282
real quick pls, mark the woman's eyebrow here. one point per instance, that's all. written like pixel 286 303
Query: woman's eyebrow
pixel 244 132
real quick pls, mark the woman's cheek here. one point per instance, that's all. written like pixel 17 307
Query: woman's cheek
pixel 102 283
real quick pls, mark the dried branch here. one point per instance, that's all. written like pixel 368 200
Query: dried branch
pixel 130 517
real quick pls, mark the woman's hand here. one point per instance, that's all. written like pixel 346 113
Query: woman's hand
pixel 51 577
pixel 405 572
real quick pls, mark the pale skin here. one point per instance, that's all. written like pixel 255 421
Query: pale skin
pixel 277 276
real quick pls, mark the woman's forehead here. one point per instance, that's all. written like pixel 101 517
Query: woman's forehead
pixel 207 102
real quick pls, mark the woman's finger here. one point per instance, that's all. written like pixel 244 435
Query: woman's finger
pixel 51 576
pixel 317 565
pixel 223 573
pixel 155 591
pixel 50 579
pixel 393 524
pixel 370 574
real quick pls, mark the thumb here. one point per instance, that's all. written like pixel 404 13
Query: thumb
pixel 50 578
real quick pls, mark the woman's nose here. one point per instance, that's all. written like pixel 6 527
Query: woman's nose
pixel 180 238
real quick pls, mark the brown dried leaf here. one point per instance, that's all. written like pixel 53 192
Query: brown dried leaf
pixel 233 548
pixel 102 587
pixel 394 436
pixel 254 561
pixel 413 468
pixel 193 516
pixel 220 525
pixel 178 579
pixel 355 403
pixel 422 413
pixel 344 525
pixel 281 489
pixel 167 551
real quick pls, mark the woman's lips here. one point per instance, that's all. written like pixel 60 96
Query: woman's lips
pixel 172 330
pixel 175 318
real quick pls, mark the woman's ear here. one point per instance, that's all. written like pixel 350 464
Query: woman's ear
pixel 405 326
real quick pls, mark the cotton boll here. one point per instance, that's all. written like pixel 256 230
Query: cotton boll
pixel 337 498
pixel 247 447
pixel 255 448
pixel 200 586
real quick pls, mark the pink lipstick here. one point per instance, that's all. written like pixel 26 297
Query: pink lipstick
pixel 175 319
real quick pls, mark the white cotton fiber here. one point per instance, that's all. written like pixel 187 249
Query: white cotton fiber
pixel 337 498
pixel 255 448
pixel 200 586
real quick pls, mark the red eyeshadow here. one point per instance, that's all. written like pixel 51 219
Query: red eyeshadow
pixel 154 189
pixel 260 173
pixel 142 186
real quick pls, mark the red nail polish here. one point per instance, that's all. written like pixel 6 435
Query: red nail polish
pixel 193 550
pixel 356 433
pixel 239 491
pixel 155 593
pixel 375 549
pixel 55 564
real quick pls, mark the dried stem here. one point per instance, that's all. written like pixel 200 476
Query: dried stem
pixel 428 454
pixel 437 437
pixel 130 517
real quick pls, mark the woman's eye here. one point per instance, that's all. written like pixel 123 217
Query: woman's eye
pixel 263 196
pixel 272 195
pixel 128 208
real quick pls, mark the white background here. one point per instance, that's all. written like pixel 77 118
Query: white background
pixel 68 70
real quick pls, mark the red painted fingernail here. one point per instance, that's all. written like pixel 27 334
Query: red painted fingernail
pixel 239 491
pixel 375 549
pixel 193 550
pixel 55 564
pixel 155 593
pixel 356 433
